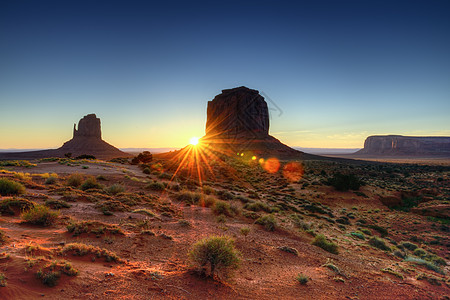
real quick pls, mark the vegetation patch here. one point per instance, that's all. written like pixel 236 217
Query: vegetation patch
pixel 94 227
pixel 15 205
pixel 40 215
pixel 79 249
pixel 321 241
pixel 216 253
pixel 302 279
pixel 10 187
pixel 379 243
pixel 50 273
pixel 56 204
pixel 289 250
pixel 268 222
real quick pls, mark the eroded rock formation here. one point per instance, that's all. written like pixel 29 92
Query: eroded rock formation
pixel 397 145
pixel 89 126
pixel 238 120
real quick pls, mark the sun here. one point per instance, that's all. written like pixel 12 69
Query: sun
pixel 194 141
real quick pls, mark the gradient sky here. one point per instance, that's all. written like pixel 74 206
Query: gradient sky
pixel 335 71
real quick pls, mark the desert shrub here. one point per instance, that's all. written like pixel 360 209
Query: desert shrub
pixel 90 183
pixel 426 264
pixel 85 156
pixel 216 251
pixel 3 282
pixel 75 180
pixel 225 195
pixel 3 237
pixel 94 227
pixel 409 245
pixel 245 231
pixel 420 252
pixel 207 190
pixel 321 241
pixel 383 231
pixel 392 271
pixel 207 201
pixel 115 189
pixel 10 187
pixel 56 204
pixel 40 215
pixel 51 180
pixel 358 235
pixel 366 231
pixel 222 208
pixel 257 206
pixel 268 221
pixel 345 182
pixel 49 278
pixel 189 197
pixel 430 278
pixel 50 274
pixel 144 211
pixel 156 186
pixel 144 157
pixel 11 206
pixel 146 170
pixel 289 250
pixel 79 249
pixel 379 243
pixel 185 223
pixel 302 279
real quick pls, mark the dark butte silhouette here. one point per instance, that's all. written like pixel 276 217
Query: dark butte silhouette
pixel 87 139
pixel 238 121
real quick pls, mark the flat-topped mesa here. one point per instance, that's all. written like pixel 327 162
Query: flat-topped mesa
pixel 397 145
pixel 88 126
pixel 238 121
pixel 238 113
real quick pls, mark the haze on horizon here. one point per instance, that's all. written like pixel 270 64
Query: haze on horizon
pixel 335 72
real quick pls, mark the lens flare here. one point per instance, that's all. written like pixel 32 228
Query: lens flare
pixel 293 171
pixel 194 141
pixel 272 165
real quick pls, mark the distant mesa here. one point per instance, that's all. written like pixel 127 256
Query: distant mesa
pixel 87 140
pixel 238 121
pixel 397 145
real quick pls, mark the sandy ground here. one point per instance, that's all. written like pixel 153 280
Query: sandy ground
pixel 157 266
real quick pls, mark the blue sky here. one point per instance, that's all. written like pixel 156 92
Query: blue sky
pixel 338 70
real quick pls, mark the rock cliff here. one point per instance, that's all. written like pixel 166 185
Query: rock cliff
pixel 397 145
pixel 238 121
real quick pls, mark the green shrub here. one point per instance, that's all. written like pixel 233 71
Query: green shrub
pixel 321 241
pixel 216 251
pixel 289 250
pixel 51 180
pixel 379 243
pixel 268 221
pixel 49 278
pixel 358 235
pixel 257 206
pixel 40 215
pixel 189 197
pixel 2 280
pixel 11 206
pixel 3 237
pixel 75 180
pixel 56 204
pixel 383 231
pixel 409 245
pixel 427 264
pixel 115 189
pixel 222 208
pixel 345 182
pixel 10 187
pixel 90 183
pixel 156 186
pixel 302 279
pixel 79 249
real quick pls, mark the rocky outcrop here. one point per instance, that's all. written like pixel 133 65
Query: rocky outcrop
pixel 238 121
pixel 87 139
pixel 397 145
pixel 238 113
pixel 89 126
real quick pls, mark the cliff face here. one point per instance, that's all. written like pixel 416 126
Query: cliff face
pixel 397 145
pixel 238 121
pixel 89 126
pixel 238 113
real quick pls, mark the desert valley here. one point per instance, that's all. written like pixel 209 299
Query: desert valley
pixel 236 215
